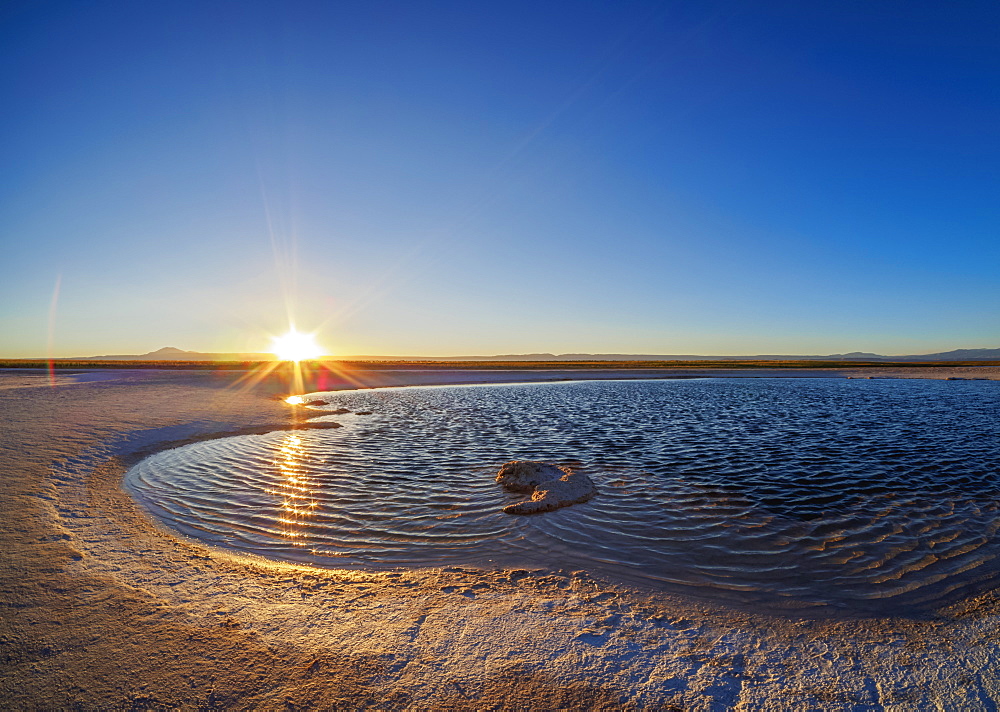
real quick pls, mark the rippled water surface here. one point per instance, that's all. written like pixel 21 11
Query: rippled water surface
pixel 869 495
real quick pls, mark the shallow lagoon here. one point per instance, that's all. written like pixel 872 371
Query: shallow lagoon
pixel 872 496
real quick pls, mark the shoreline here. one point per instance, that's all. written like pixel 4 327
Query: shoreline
pixel 112 611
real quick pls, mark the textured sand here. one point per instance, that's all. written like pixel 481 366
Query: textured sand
pixel 103 610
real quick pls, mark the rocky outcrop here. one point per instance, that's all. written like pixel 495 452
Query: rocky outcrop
pixel 551 487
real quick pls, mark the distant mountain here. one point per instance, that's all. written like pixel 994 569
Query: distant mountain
pixel 659 357
pixel 959 355
pixel 170 353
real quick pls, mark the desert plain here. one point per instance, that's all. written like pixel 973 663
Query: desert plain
pixel 103 609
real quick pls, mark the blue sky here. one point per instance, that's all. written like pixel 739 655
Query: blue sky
pixel 438 178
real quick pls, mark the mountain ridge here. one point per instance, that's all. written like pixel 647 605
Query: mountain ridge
pixel 171 353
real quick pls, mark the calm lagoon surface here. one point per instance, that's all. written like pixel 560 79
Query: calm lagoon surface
pixel 872 496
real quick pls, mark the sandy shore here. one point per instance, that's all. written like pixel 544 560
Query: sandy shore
pixel 101 609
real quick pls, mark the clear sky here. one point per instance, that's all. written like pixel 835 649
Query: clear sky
pixel 448 178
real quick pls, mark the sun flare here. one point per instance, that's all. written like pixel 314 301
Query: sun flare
pixel 295 346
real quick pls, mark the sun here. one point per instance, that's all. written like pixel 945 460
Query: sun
pixel 295 346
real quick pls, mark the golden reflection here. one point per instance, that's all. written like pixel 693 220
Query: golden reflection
pixel 295 490
pixel 295 400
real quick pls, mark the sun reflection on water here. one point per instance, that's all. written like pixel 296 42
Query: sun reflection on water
pixel 295 490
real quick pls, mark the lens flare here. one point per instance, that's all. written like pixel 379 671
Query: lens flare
pixel 295 346
pixel 295 400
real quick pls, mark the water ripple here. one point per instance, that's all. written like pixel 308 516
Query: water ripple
pixel 868 495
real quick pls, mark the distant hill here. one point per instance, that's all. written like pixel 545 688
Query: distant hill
pixel 959 355
pixel 170 353
pixel 610 357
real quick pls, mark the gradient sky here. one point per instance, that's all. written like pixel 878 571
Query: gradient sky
pixel 437 178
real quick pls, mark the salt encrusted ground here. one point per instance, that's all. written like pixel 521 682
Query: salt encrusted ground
pixel 103 610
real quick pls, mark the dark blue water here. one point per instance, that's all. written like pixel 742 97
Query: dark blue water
pixel 867 495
